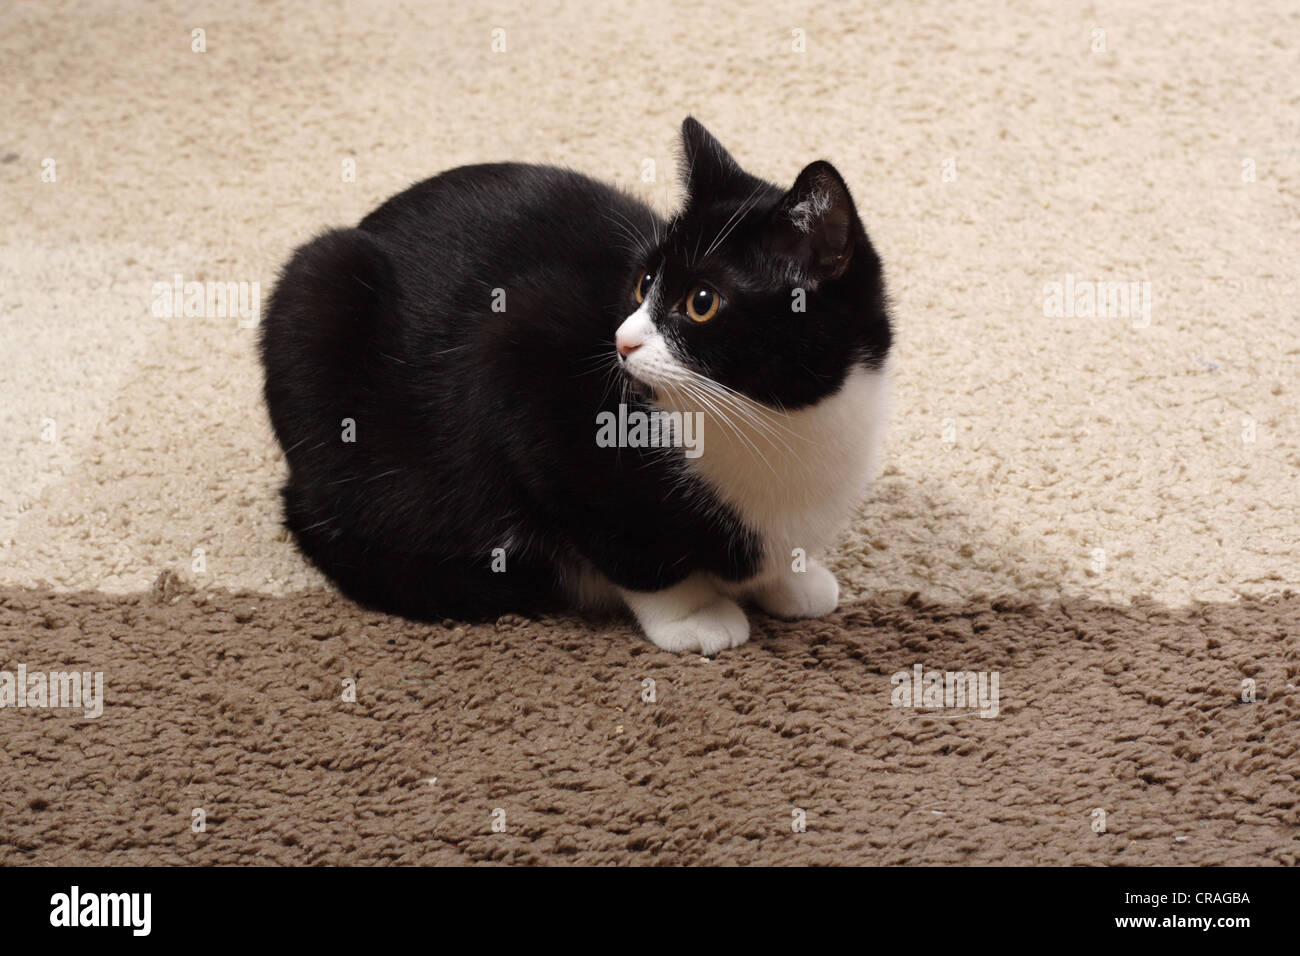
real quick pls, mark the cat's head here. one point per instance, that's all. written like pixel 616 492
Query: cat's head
pixel 773 293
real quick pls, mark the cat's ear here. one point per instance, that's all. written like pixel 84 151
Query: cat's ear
pixel 707 167
pixel 814 225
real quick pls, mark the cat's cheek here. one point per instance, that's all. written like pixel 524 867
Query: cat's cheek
pixel 651 363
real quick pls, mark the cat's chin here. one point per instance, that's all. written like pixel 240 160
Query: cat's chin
pixel 641 390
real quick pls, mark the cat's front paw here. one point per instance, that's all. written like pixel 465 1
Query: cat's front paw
pixel 708 630
pixel 799 594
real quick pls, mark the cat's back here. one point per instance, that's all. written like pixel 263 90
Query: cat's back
pixel 512 262
pixel 491 210
pixel 451 301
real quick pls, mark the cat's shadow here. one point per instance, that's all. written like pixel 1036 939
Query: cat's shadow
pixel 915 536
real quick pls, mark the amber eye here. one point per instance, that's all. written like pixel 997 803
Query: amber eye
pixel 702 304
pixel 643 285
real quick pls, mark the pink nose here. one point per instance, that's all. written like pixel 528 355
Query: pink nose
pixel 626 348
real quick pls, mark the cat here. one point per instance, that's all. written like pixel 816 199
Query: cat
pixel 438 377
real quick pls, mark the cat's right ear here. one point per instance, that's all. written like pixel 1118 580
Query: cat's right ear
pixel 813 227
pixel 707 167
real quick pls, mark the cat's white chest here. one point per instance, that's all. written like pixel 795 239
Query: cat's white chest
pixel 797 477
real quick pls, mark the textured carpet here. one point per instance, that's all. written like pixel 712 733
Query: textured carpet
pixel 1119 470
pixel 233 705
pixel 1020 443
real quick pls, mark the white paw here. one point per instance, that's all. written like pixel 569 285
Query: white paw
pixel 796 594
pixel 714 627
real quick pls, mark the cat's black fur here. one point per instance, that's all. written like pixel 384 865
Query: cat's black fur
pixel 475 429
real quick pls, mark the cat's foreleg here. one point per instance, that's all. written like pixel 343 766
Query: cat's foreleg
pixel 690 616
pixel 799 594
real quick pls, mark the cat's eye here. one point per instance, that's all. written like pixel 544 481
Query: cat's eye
pixel 643 285
pixel 702 304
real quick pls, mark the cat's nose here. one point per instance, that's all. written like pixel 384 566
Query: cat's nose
pixel 633 333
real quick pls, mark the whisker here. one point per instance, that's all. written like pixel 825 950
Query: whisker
pixel 755 413
pixel 719 413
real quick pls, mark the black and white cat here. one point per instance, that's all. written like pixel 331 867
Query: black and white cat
pixel 437 377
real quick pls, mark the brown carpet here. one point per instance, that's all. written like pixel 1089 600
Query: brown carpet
pixel 232 704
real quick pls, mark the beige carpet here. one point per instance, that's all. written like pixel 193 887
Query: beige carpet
pixel 993 149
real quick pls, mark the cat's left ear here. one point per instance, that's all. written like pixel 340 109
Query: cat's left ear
pixel 707 168
pixel 814 226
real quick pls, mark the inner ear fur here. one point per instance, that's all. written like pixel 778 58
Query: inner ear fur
pixel 813 226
